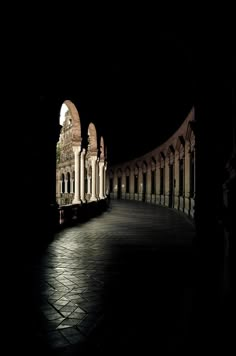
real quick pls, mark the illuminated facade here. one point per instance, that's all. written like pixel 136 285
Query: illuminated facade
pixel 81 171
pixel 164 176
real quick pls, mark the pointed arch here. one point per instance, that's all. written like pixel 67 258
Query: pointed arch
pixel 153 163
pixel 127 170
pixel 92 138
pixel 144 166
pixel 119 172
pixel 102 148
pixel 75 121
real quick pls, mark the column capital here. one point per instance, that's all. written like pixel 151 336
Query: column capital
pixel 93 158
pixel 76 149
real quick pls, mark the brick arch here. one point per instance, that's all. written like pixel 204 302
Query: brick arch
pixel 92 138
pixel 76 124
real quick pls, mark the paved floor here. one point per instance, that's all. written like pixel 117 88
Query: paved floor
pixel 122 282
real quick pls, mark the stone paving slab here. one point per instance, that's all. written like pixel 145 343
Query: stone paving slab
pixel 124 279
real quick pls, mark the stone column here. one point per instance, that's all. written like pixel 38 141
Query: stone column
pixel 76 150
pixel 131 184
pixel 82 197
pixel 123 184
pixel 105 187
pixel 194 157
pixel 66 186
pixel 187 179
pixel 89 184
pixel 176 181
pixel 166 179
pixel 158 183
pixel 71 185
pixel 101 179
pixel 149 183
pixel 192 199
pixel 115 185
pixel 93 161
pixel 140 184
pixel 61 186
pixel 97 179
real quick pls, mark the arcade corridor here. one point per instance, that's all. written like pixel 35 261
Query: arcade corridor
pixel 128 280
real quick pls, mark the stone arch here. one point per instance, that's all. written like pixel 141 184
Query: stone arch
pixel 92 139
pixel 136 168
pixel 161 158
pixel 190 134
pixel 171 153
pixel 102 148
pixel 153 163
pixel 180 144
pixel 144 167
pixel 127 171
pixel 76 123
pixel 119 172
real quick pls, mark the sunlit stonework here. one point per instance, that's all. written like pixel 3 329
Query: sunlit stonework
pixel 81 172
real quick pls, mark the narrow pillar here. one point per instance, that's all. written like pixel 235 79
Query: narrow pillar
pixel 66 186
pixel 82 196
pixel 101 180
pixel 93 161
pixel 71 185
pixel 140 184
pixel 97 194
pixel 89 184
pixel 76 151
pixel 176 181
pixel 166 179
pixel 158 183
pixel 131 194
pixel 149 184
pixel 105 188
pixel 187 180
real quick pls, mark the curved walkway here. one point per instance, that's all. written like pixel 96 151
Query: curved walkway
pixel 121 282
